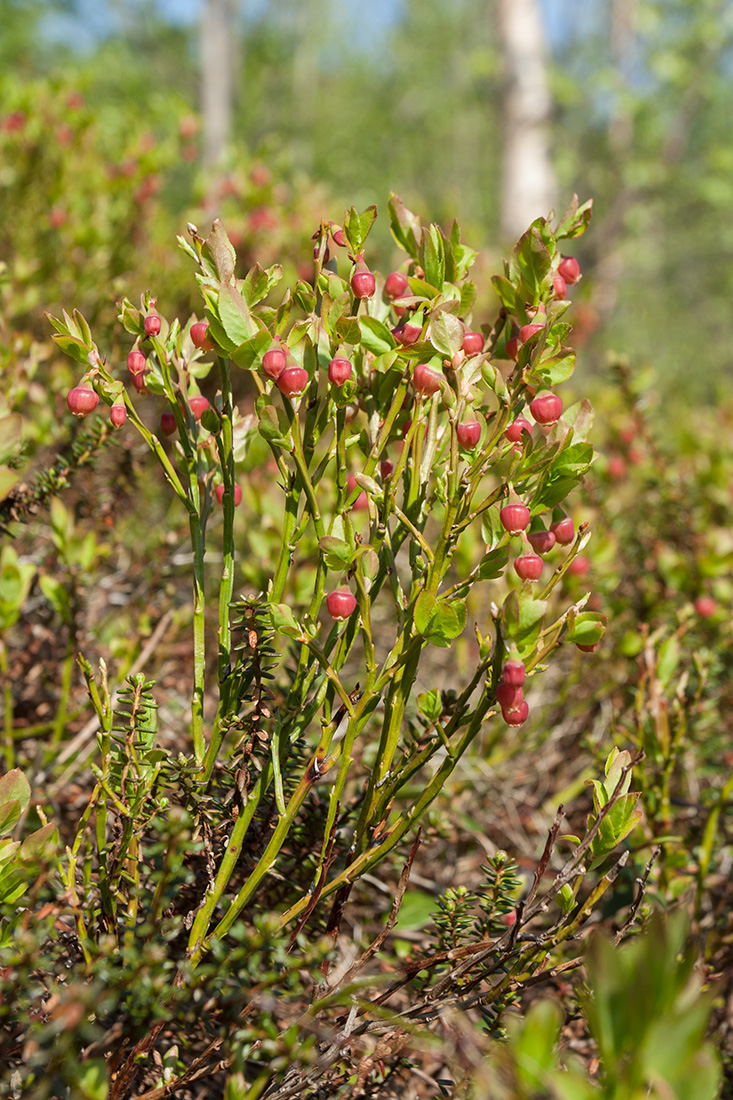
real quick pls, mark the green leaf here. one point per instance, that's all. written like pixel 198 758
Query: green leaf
pixel 73 346
pixel 347 330
pixel 586 628
pixel 439 621
pixel 429 704
pixel 221 250
pixel 421 289
pixel 357 226
pixel 523 619
pixel 41 845
pixel 333 309
pixel 11 431
pixel 572 461
pixel 336 552
pixel 616 761
pixel 669 659
pixel 580 418
pixel 249 352
pixel 305 296
pixel 506 292
pixel 10 811
pixel 555 491
pixel 8 849
pixel 57 595
pixel 375 336
pixel 92 1080
pixel 557 368
pixel 383 363
pixel 448 622
pixel 468 298
pixel 565 898
pixel 446 332
pixel 533 258
pixel 404 225
pixel 270 427
pixel 492 565
pixel 432 256
pixel 258 283
pixel 8 480
pixel 235 316
pixel 574 221
pixel 492 529
pixel 283 620
pixel 425 607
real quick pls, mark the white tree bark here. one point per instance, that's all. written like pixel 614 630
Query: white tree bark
pixel 528 178
pixel 217 78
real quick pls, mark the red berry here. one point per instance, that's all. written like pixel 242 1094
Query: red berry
pixel 473 342
pixel 514 431
pixel 197 403
pixel 560 287
pixel 407 334
pixel 138 381
pixel 219 494
pixel 514 518
pixel 514 673
pixel 152 324
pixel 512 347
pixel 118 415
pixel 529 567
pixel 546 408
pixel 527 331
pixel 616 468
pixel 569 269
pixel 579 566
pixel 564 531
pixel 588 648
pixel 293 381
pixel 274 362
pixel 341 604
pixel 167 423
pixel 363 283
pixel 509 697
pixel 469 433
pixel 136 362
pixel 396 285
pixel 518 716
pixel 541 541
pixel 339 371
pixel 82 400
pixel 385 468
pixel 199 337
pixel 705 606
pixel 425 380
pixel 339 238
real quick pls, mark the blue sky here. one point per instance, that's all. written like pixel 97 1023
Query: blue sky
pixel 97 18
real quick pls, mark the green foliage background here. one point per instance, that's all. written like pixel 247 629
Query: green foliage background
pixel 407 96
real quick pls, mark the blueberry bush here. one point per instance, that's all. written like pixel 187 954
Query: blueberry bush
pixel 386 505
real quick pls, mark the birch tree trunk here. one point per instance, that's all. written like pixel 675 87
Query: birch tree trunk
pixel 528 178
pixel 217 78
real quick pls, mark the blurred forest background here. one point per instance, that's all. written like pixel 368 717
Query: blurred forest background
pixel 335 102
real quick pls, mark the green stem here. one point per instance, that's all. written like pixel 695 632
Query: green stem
pixel 8 717
pixel 303 471
pixel 225 447
pixel 371 857
pixel 708 840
